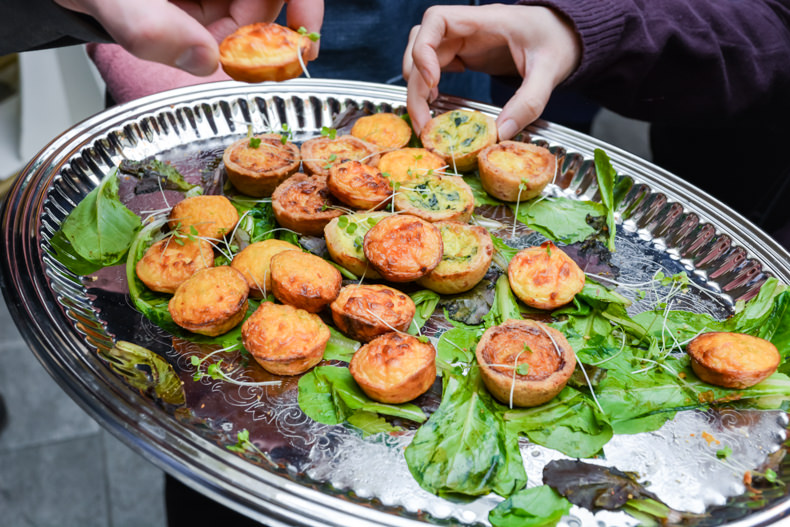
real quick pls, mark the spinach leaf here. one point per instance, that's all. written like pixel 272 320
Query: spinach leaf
pixel 146 371
pixel 329 395
pixel 425 302
pixel 505 305
pixel 561 219
pixel 465 448
pixel 481 196
pixel 456 345
pixel 606 174
pixel 570 423
pixel 339 346
pixel 503 253
pixel 257 219
pixel 63 252
pixel 370 423
pixel 535 507
pixel 101 228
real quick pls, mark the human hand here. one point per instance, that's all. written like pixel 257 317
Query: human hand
pixel 185 33
pixel 532 41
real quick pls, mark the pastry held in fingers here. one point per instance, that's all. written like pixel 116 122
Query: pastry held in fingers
pixel 205 216
pixel 304 204
pixel 385 130
pixel 524 362
pixel 394 368
pixel 344 240
pixel 210 302
pixel 320 153
pixel 263 52
pixel 304 280
pixel 169 262
pixel 436 198
pixel 732 360
pixel 408 164
pixel 458 136
pixel 363 312
pixel 403 248
pixel 254 263
pixel 467 255
pixel 358 185
pixel 544 277
pixel 283 339
pixel 515 171
pixel 256 165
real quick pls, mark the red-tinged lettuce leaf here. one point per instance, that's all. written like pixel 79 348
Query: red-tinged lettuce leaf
pixel 535 507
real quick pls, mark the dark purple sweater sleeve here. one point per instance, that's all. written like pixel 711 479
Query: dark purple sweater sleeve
pixel 664 60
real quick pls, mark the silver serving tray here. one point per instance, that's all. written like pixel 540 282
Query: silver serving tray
pixel 314 474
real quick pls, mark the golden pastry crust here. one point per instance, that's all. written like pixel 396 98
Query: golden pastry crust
pixel 732 360
pixel 385 130
pixel 304 280
pixel 544 277
pixel 359 185
pixel 256 171
pixel 394 368
pixel 211 216
pixel 507 165
pixel 468 251
pixel 263 52
pixel 283 339
pixel 254 263
pixel 169 262
pixel 436 198
pixel 320 153
pixel 210 302
pixel 363 312
pixel 345 238
pixel 549 361
pixel 407 164
pixel 304 204
pixel 458 136
pixel 403 248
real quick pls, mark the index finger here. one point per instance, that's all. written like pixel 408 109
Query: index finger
pixel 308 14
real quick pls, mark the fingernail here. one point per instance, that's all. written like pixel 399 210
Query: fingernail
pixel 508 129
pixel 197 61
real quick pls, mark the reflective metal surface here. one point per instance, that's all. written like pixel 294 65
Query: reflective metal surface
pixel 312 474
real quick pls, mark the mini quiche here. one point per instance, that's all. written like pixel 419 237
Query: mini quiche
pixel 515 171
pixel 254 263
pixel 256 165
pixel 304 280
pixel 359 185
pixel 458 136
pixel 263 52
pixel 407 164
pixel 436 198
pixel 468 251
pixel 363 312
pixel 169 262
pixel 394 368
pixel 732 360
pixel 403 248
pixel 304 204
pixel 524 362
pixel 206 216
pixel 320 153
pixel 283 339
pixel 210 302
pixel 544 277
pixel 344 238
pixel 385 130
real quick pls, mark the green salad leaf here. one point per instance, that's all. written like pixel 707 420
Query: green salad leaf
pixel 456 345
pixel 481 196
pixel 340 347
pixel 165 172
pixel 561 219
pixel 606 174
pixel 425 302
pixel 505 305
pixel 535 507
pixel 370 423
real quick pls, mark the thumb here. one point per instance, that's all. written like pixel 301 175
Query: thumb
pixel 526 105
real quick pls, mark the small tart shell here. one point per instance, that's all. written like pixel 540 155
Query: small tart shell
pixel 458 136
pixel 210 302
pixel 394 368
pixel 506 165
pixel 317 152
pixel 346 248
pixel 257 171
pixel 732 360
pixel 304 204
pixel 403 248
pixel 408 164
pixel 283 339
pixel 359 185
pixel 468 251
pixel 385 130
pixel 363 312
pixel 254 263
pixel 503 348
pixel 544 277
pixel 169 262
pixel 211 216
pixel 436 198
pixel 304 280
pixel 263 52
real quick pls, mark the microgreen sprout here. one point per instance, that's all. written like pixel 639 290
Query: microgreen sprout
pixel 243 444
pixel 329 161
pixel 724 453
pixel 522 186
pixel 286 133
pixel 255 142
pixel 311 35
pixel 326 131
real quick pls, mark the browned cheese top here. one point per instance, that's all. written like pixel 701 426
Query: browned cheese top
pixel 280 331
pixel 403 247
pixel 270 155
pixel 374 303
pixel 392 358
